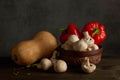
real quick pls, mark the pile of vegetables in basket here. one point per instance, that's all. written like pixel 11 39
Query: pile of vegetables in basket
pixel 83 48
pixel 44 47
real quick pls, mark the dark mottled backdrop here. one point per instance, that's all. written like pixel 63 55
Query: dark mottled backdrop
pixel 21 19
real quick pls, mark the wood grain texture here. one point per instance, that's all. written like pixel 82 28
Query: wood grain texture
pixel 108 69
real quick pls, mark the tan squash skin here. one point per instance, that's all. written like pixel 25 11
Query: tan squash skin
pixel 28 52
pixel 48 41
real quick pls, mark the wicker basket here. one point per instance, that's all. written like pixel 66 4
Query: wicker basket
pixel 74 57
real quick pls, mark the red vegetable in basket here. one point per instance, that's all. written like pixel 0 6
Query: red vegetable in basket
pixel 96 31
pixel 71 29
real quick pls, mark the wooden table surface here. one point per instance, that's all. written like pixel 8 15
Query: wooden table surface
pixel 107 69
